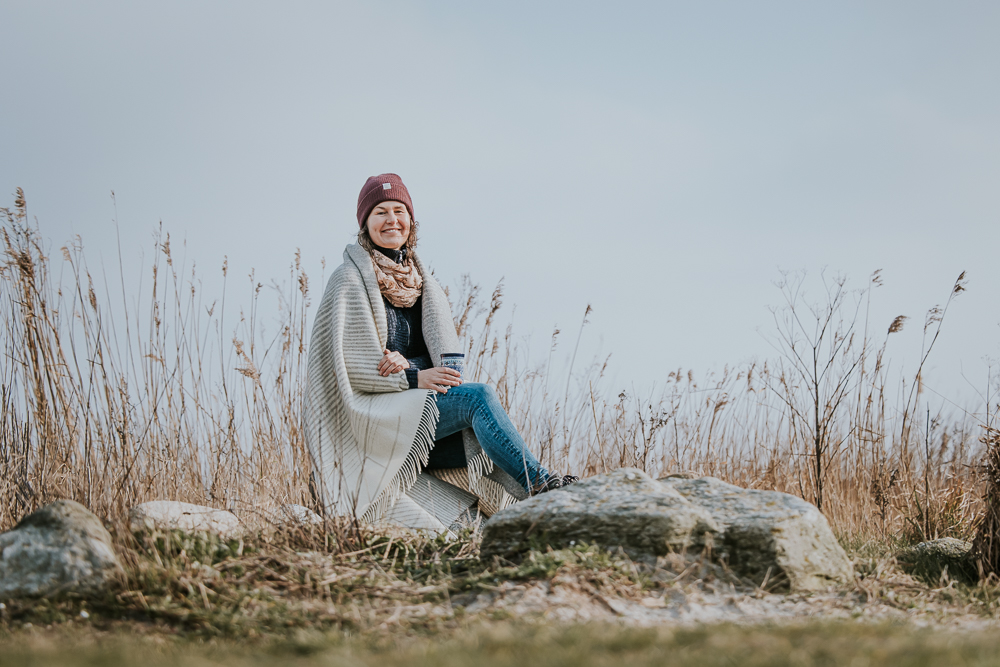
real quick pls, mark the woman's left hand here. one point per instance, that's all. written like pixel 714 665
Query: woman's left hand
pixel 392 362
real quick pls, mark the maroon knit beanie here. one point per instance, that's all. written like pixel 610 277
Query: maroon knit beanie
pixel 377 189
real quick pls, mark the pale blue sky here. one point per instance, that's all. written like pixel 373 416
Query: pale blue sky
pixel 660 161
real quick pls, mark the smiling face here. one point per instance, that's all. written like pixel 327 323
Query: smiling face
pixel 389 225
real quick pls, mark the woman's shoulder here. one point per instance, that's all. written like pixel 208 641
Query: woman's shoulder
pixel 425 272
pixel 348 272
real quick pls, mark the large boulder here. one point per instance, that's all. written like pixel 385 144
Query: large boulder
pixel 771 538
pixel 61 548
pixel 769 535
pixel 185 517
pixel 625 508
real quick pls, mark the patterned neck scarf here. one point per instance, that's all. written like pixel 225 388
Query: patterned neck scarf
pixel 400 283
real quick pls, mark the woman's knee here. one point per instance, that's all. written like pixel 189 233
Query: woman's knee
pixel 477 388
pixel 481 392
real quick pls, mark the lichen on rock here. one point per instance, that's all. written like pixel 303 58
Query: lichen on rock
pixel 767 537
pixel 61 548
pixel 625 508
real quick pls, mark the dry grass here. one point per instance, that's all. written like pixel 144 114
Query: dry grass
pixel 167 401
pixel 821 420
pixel 114 396
pixel 270 587
pixel 269 599
pixel 986 547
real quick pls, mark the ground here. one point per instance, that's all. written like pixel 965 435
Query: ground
pixel 387 600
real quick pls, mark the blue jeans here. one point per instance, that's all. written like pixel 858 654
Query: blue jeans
pixel 475 405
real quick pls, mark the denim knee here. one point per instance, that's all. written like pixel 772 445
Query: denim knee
pixel 483 394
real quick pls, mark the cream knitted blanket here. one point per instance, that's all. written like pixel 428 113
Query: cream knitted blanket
pixel 369 435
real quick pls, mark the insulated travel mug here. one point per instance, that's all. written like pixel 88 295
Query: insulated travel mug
pixel 454 360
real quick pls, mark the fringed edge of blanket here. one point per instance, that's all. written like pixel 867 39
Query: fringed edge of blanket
pixel 418 456
pixel 492 493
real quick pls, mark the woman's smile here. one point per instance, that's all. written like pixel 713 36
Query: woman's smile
pixel 389 225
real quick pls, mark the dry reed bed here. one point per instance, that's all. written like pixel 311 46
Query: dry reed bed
pixel 113 397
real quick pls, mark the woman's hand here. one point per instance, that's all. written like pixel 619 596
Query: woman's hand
pixel 392 362
pixel 438 379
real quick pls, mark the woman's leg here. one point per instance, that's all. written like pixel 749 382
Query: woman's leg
pixel 476 405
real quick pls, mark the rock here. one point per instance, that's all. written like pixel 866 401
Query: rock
pixel 769 535
pixel 188 518
pixel 297 515
pixel 60 548
pixel 625 508
pixel 928 560
pixel 280 517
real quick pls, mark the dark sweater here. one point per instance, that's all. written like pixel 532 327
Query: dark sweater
pixel 405 334
pixel 404 329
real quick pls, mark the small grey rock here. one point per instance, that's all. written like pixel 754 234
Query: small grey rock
pixel 60 548
pixel 928 560
pixel 298 515
pixel 175 515
pixel 625 508
pixel 769 535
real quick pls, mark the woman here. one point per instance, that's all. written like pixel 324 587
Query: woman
pixel 379 406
